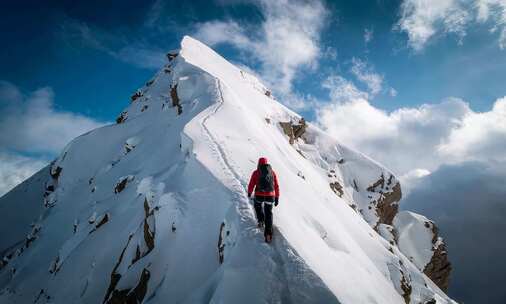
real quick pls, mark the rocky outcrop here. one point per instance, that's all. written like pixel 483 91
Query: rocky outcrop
pixel 132 295
pixel 123 181
pixel 221 243
pixel 294 131
pixel 389 194
pixel 387 206
pixel 172 55
pixel 139 244
pixel 122 117
pixel 439 267
pixel 136 96
pixel 175 100
pixel 337 188
pixel 418 238
pixel 406 288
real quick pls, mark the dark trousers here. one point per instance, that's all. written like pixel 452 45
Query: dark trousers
pixel 263 211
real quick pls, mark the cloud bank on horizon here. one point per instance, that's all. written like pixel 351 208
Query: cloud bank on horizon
pixel 33 129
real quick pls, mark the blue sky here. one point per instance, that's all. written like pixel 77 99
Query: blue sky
pixel 416 84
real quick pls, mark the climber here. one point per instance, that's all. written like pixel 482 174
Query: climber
pixel 265 183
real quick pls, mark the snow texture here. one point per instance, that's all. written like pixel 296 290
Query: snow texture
pixel 153 209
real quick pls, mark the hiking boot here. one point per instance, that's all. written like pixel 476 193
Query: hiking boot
pixel 260 225
pixel 268 238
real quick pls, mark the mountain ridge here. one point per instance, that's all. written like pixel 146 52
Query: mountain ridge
pixel 170 176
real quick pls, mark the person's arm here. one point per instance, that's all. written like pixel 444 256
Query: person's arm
pixel 252 182
pixel 276 187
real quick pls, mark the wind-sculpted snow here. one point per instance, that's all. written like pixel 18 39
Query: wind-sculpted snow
pixel 153 209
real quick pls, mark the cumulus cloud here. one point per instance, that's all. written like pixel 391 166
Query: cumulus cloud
pixel 32 124
pixel 480 136
pixel 467 203
pixel 15 168
pixel 421 138
pixel 423 20
pixel 287 39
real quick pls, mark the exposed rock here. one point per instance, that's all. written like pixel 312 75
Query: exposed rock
pixel 221 243
pixel 55 265
pixel 49 188
pixel 294 131
pixel 132 296
pixel 172 55
pixel 115 277
pixel 355 185
pixel 388 233
pixel 149 233
pixel 136 95
pixel 268 93
pixel 149 83
pixel 144 108
pixel 103 219
pixel 122 117
pixel 387 204
pixel 406 288
pixel 55 172
pixel 439 267
pixel 175 99
pixel 121 185
pixel 337 188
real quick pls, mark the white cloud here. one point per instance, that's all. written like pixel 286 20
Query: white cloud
pixel 419 138
pixel 32 124
pixel 480 136
pixel 365 74
pixel 286 41
pixel 368 35
pixel 14 169
pixel 422 20
pixel 342 90
pixel 412 179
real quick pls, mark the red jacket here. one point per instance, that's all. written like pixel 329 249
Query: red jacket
pixel 253 181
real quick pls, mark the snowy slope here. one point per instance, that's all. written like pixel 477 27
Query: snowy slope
pixel 153 209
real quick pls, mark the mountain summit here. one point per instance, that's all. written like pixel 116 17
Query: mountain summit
pixel 153 209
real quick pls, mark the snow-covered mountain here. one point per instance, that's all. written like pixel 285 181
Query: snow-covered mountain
pixel 153 209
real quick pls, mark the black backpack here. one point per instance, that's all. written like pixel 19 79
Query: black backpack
pixel 265 178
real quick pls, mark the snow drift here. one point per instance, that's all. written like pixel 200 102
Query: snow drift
pixel 153 209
